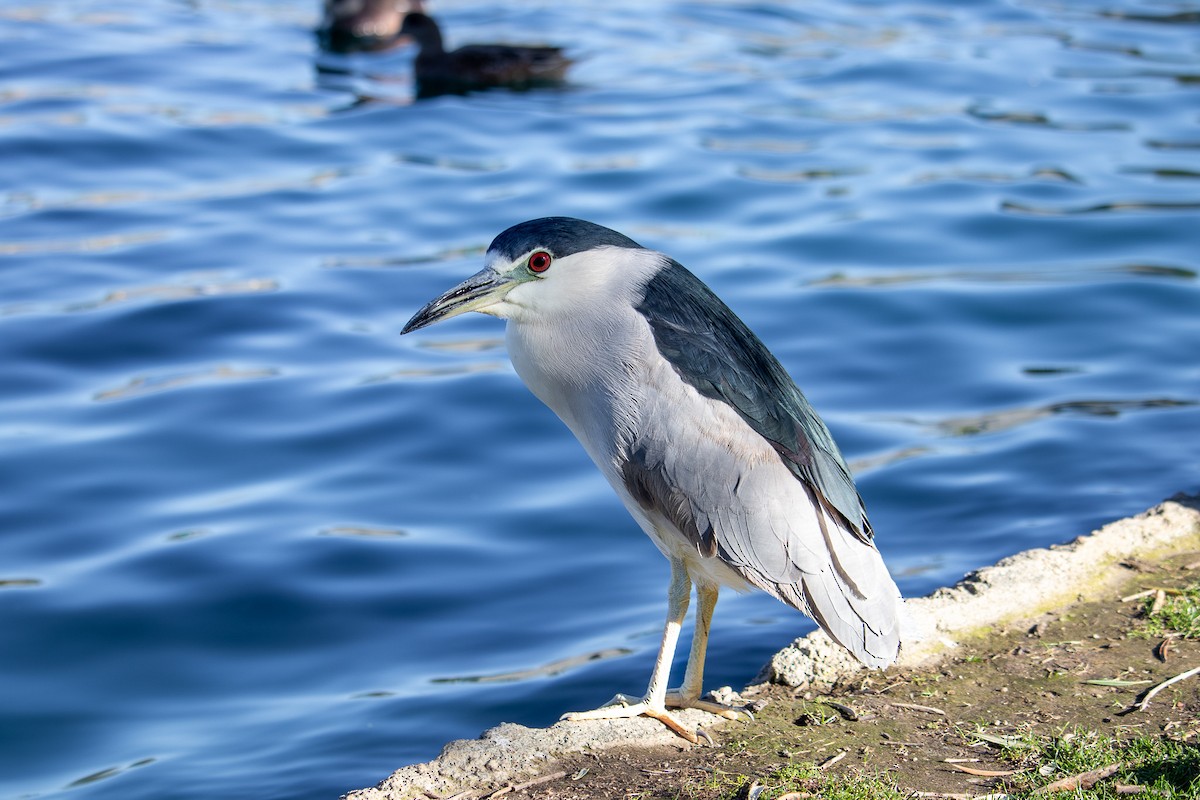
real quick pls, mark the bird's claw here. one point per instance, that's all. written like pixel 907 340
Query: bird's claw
pixel 624 707
pixel 620 708
pixel 676 700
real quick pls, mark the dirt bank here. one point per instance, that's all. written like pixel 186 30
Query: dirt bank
pixel 1008 649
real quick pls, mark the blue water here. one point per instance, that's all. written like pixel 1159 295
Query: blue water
pixel 254 544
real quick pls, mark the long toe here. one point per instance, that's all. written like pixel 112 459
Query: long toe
pixel 675 699
pixel 638 709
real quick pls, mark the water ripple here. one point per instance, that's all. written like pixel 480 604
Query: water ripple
pixel 233 497
pixel 449 254
pixel 1007 419
pixel 164 293
pixel 19 583
pixel 23 202
pixel 1129 206
pixel 1056 174
pixel 364 532
pixel 90 244
pixel 1176 18
pixel 140 386
pixel 1043 120
pixel 544 671
pixel 801 175
pixel 436 372
pixel 110 772
pixel 1022 276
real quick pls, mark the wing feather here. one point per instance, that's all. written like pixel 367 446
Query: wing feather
pixel 713 351
pixel 792 525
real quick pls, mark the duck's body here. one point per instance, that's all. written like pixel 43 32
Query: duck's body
pixel 478 66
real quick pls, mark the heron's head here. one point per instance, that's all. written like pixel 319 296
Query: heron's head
pixel 539 267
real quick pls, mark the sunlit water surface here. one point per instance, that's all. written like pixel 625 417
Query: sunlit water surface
pixel 253 544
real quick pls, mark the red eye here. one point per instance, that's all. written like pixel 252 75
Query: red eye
pixel 539 261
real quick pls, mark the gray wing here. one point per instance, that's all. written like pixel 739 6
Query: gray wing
pixel 746 515
pixel 714 351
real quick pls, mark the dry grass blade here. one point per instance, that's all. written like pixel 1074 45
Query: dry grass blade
pixel 986 773
pixel 1153 690
pixel 1152 591
pixel 1160 599
pixel 516 787
pixel 1003 741
pixel 957 796
pixel 1084 780
pixel 913 707
pixel 1115 682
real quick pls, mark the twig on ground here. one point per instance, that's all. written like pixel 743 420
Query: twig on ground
pixel 1160 599
pixel 1084 780
pixel 986 773
pixel 1154 590
pixel 915 707
pixel 516 787
pixel 829 762
pixel 1153 690
pixel 889 686
pixel 959 796
pixel 1003 741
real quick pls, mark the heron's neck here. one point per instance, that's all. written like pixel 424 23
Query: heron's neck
pixel 584 373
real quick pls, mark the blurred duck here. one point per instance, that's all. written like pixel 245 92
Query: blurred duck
pixel 478 66
pixel 364 25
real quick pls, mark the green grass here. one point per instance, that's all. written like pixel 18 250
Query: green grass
pixel 1168 768
pixel 807 779
pixel 1179 615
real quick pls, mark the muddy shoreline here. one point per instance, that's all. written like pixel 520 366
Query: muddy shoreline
pixel 1022 587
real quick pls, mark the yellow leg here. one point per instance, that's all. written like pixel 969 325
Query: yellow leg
pixel 658 698
pixel 654 703
pixel 688 695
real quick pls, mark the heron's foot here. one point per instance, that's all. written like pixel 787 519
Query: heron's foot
pixel 624 707
pixel 675 699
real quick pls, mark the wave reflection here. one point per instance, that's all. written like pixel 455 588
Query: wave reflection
pixel 544 671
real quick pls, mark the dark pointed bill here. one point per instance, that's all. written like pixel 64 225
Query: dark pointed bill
pixel 476 293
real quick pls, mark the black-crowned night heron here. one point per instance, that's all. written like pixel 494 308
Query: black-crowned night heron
pixel 701 432
pixel 478 66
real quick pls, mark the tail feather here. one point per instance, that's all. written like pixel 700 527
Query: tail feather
pixel 853 598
